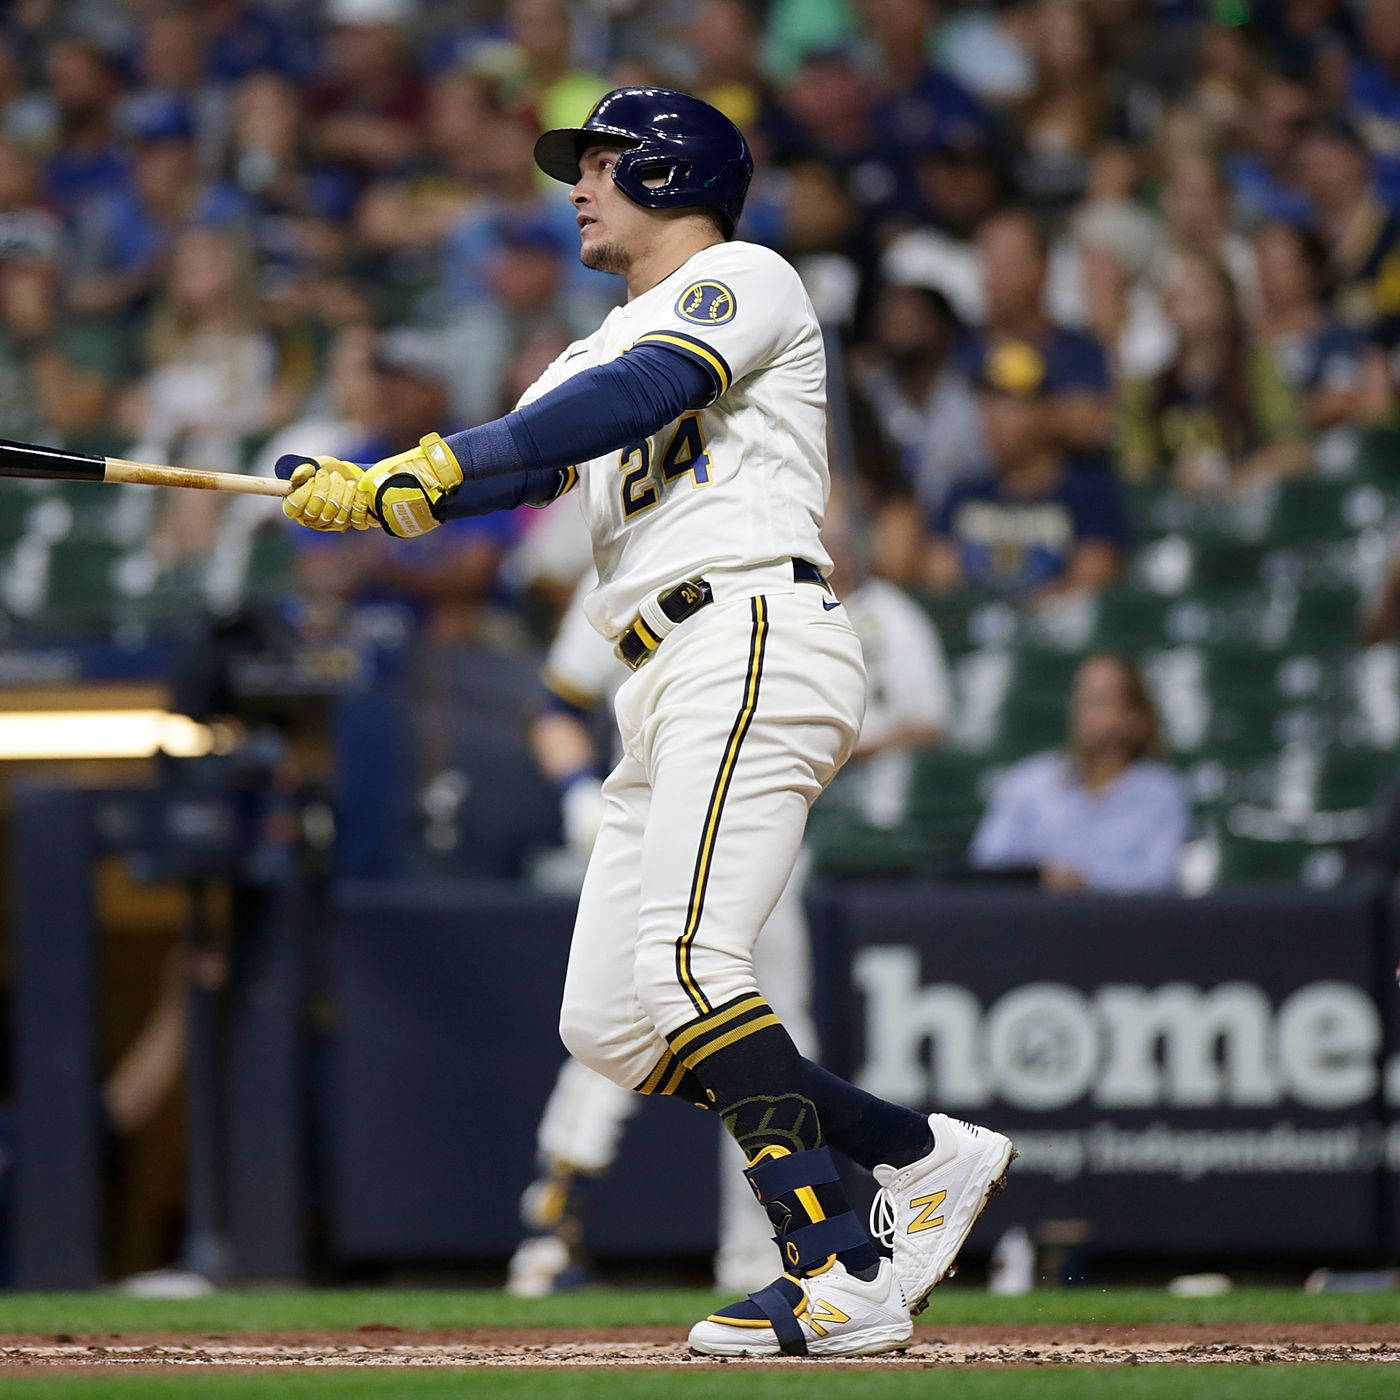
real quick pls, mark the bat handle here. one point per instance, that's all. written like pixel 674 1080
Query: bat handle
pixel 151 474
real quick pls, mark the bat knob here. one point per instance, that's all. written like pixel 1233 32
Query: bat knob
pixel 288 462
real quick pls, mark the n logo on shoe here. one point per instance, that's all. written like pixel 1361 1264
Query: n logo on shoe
pixel 926 1205
pixel 822 1311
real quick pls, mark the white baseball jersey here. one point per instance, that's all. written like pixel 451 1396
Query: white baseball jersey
pixel 740 483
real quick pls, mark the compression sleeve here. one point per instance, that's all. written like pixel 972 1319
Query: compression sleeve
pixel 600 410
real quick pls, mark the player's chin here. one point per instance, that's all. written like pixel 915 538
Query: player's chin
pixel 603 256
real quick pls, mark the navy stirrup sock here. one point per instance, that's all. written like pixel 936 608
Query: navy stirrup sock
pixel 858 1125
pixel 751 1071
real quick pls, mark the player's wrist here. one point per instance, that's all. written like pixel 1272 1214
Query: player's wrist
pixel 441 460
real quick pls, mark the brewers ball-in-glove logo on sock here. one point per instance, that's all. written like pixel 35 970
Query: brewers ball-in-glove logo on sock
pixel 706 304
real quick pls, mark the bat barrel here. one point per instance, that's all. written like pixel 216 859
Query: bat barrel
pixel 28 459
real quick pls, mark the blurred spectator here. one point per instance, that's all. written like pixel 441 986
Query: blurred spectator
pixel 25 116
pixel 796 29
pixel 1373 93
pixel 121 240
pixel 27 229
pixel 294 207
pixel 1123 313
pixel 1071 405
pixel 247 38
pixel 917 105
pixel 1196 209
pixel 1227 66
pixel 1099 277
pixel 212 382
pixel 1381 622
pixel 910 703
pixel 1320 359
pixel 1362 239
pixel 335 420
pixel 724 41
pixel 444 588
pixel 85 162
pixel 1071 108
pixel 545 80
pixel 1033 526
pixel 29 271
pixel 1306 36
pixel 961 183
pixel 922 399
pixel 1221 415
pixel 1104 814
pixel 171 65
pixel 511 263
pixel 369 108
pixel 828 107
pixel 1261 170
pixel 991 51
pixel 336 417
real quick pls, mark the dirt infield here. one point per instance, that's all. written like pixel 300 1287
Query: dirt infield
pixel 665 1346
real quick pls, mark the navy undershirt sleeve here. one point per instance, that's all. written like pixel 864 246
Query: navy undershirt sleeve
pixel 602 409
pixel 532 486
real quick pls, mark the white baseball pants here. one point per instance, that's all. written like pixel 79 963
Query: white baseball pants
pixel 730 733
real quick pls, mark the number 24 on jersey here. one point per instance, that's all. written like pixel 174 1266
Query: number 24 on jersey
pixel 685 455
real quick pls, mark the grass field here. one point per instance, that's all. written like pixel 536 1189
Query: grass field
pixel 399 1320
pixel 811 1383
pixel 333 1310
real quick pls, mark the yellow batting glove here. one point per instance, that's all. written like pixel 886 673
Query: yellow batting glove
pixel 402 493
pixel 323 496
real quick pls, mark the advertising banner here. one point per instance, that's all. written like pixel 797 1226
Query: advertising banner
pixel 1181 1076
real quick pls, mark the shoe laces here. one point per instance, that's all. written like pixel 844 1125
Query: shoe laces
pixel 883 1217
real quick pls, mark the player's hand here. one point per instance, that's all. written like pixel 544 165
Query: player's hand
pixel 403 493
pixel 323 495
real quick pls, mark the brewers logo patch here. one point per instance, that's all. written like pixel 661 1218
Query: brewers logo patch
pixel 706 304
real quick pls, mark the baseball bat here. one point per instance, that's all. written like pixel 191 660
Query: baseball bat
pixel 37 463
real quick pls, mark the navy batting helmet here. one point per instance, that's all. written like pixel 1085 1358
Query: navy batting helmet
pixel 696 153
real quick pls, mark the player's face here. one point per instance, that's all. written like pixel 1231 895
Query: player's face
pixel 612 230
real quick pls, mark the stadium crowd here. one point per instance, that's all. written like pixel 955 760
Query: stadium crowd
pixel 1070 250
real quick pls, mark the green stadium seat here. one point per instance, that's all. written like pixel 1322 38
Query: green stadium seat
pixel 967 620
pixel 1313 508
pixel 843 845
pixel 1131 620
pixel 271 569
pixel 1324 618
pixel 1378 457
pixel 949 785
pixel 1350 777
pixel 1244 859
pixel 1160 509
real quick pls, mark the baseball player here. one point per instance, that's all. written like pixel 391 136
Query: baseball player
pixel 693 420
pixel 581 1127
pixel 585 1116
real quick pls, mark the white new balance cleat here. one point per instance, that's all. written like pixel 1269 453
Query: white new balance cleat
pixel 831 1313
pixel 923 1213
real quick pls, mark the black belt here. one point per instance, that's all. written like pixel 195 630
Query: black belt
pixel 639 642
